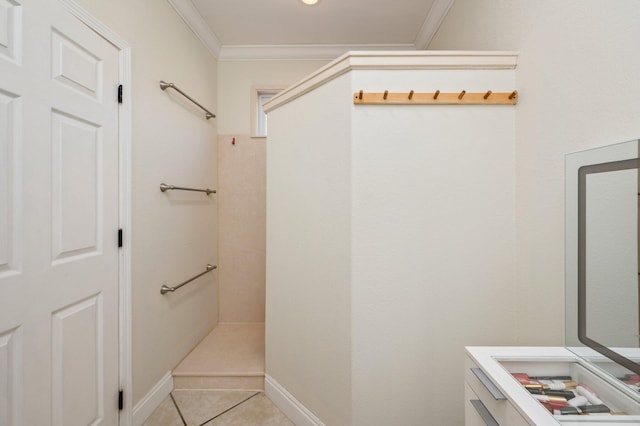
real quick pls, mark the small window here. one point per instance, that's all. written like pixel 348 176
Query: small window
pixel 258 118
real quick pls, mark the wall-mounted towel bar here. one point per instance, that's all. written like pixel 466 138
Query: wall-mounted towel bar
pixel 165 288
pixel 164 86
pixel 164 187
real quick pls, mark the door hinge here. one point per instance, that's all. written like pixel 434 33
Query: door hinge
pixel 121 400
pixel 120 94
pixel 119 237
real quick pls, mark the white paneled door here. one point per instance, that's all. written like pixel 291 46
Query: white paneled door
pixel 58 219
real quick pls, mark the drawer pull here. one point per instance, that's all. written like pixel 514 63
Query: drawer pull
pixel 483 412
pixel 491 387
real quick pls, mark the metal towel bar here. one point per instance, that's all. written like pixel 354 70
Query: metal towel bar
pixel 164 86
pixel 165 288
pixel 164 187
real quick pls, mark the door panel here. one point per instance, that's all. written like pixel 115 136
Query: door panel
pixel 76 187
pixel 10 377
pixel 10 30
pixel 78 372
pixel 9 206
pixel 76 67
pixel 58 219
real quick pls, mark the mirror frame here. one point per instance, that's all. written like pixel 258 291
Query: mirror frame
pixel 583 172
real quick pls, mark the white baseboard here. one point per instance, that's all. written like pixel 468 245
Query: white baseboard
pixel 152 400
pixel 288 404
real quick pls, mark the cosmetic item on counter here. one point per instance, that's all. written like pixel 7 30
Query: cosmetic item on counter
pixel 553 384
pixel 562 395
pixel 521 376
pixel 585 409
pixel 530 386
pixel 566 394
pixel 631 379
pixel 554 407
pixel 558 384
pixel 562 378
pixel 547 398
pixel 578 401
pixel 587 393
pixel 551 403
pixel 524 380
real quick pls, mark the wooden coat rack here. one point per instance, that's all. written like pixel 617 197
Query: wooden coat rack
pixel 435 98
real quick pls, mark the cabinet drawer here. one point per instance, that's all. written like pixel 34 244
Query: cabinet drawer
pixel 501 409
pixel 472 415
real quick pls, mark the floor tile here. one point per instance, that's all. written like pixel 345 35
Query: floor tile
pixel 165 415
pixel 258 410
pixel 199 406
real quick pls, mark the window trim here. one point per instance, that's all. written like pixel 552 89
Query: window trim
pixel 256 107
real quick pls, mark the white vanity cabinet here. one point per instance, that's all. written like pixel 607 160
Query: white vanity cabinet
pixel 602 309
pixel 485 403
pixel 494 397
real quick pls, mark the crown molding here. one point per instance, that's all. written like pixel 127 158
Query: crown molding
pixel 196 22
pixel 201 29
pixel 393 60
pixel 436 15
pixel 300 51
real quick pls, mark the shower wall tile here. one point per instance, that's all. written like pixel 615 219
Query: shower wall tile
pixel 242 228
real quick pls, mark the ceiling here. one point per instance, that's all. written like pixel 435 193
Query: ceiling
pixel 289 29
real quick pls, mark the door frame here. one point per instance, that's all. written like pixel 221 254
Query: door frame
pixel 124 205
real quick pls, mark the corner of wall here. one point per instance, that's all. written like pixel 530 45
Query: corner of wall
pixel 152 400
pixel 288 404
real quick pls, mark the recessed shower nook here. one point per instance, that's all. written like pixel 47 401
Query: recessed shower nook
pixel 230 357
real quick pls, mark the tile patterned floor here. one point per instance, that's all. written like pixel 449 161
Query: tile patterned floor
pixel 217 408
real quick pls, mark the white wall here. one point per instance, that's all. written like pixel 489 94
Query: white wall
pixel 578 81
pixel 433 238
pixel 308 319
pixel 235 79
pixel 242 184
pixel 390 229
pixel 172 143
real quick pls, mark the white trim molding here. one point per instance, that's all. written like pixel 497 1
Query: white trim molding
pixel 124 215
pixel 392 60
pixel 198 25
pixel 96 25
pixel 258 122
pixel 126 224
pixel 436 15
pixel 152 400
pixel 206 34
pixel 299 51
pixel 288 404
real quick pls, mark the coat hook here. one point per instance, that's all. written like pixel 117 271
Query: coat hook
pixel 486 95
pixel 513 94
pixel 461 94
pixel 386 93
pixel 435 95
pixel 360 95
pixel 411 94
